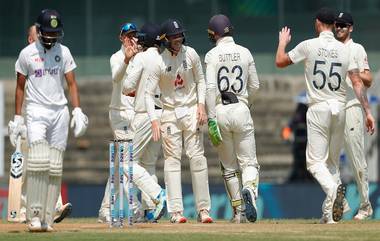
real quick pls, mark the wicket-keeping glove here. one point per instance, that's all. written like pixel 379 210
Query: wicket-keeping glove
pixel 79 122
pixel 214 132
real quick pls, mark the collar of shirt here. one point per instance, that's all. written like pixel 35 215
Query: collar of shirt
pixel 349 42
pixel 225 40
pixel 326 34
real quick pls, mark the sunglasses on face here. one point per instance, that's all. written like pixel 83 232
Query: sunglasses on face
pixel 342 25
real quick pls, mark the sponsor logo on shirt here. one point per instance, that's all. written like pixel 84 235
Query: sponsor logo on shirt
pixel 39 59
pixel 41 72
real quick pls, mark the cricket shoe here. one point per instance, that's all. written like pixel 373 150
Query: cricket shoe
pixel 338 204
pixel 104 216
pixel 177 217
pixel 327 219
pixel 35 225
pixel 63 212
pixel 149 216
pixel 46 227
pixel 160 205
pixel 250 204
pixel 239 217
pixel 204 216
pixel 365 212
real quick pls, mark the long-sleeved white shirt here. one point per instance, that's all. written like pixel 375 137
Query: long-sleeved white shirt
pixel 138 71
pixel 180 79
pixel 119 70
pixel 229 67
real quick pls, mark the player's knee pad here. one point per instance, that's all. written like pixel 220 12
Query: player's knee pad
pixel 172 165
pixel 198 163
pixel 233 186
pixel 56 161
pixel 38 156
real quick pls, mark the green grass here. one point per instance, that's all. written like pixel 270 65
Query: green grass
pixel 268 230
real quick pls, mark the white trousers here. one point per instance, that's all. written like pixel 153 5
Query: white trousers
pixel 325 132
pixel 176 131
pixel 354 146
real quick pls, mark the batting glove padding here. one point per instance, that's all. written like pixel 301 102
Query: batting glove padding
pixel 79 122
pixel 16 128
pixel 214 132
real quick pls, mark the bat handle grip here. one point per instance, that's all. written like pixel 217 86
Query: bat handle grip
pixel 18 143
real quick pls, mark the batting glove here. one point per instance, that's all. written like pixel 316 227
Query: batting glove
pixel 16 128
pixel 79 122
pixel 214 132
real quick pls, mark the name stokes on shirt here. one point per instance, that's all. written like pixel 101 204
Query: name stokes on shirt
pixel 328 53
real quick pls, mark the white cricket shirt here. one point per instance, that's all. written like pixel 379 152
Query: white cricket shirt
pixel 45 70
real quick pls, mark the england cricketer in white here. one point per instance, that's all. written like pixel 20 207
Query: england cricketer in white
pixel 145 150
pixel 121 114
pixel 327 63
pixel 354 128
pixel 121 111
pixel 181 81
pixel 231 80
pixel 41 67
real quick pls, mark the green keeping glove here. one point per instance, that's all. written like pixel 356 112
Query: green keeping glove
pixel 214 132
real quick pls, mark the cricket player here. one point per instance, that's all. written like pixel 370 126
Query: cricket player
pixel 41 67
pixel 327 63
pixel 146 151
pixel 354 128
pixel 121 115
pixel 231 82
pixel 61 210
pixel 181 81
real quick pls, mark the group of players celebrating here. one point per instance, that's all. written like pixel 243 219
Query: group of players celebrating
pixel 161 99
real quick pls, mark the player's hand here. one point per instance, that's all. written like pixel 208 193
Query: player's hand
pixel 130 48
pixel 156 130
pixel 284 36
pixel 79 122
pixel 370 123
pixel 201 115
pixel 16 128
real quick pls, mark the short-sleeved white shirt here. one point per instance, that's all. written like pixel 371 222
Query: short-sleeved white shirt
pixel 326 64
pixel 360 56
pixel 45 70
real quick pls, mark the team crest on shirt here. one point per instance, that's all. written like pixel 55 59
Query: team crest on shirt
pixel 57 58
pixel 179 83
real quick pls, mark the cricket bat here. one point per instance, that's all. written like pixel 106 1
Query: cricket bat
pixel 15 183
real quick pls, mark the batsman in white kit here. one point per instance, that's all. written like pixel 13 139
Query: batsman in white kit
pixel 231 80
pixel 181 81
pixel 327 63
pixel 145 151
pixel 61 210
pixel 354 128
pixel 41 68
pixel 121 115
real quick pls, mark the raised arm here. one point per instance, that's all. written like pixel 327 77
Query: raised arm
pixel 282 58
pixel 134 72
